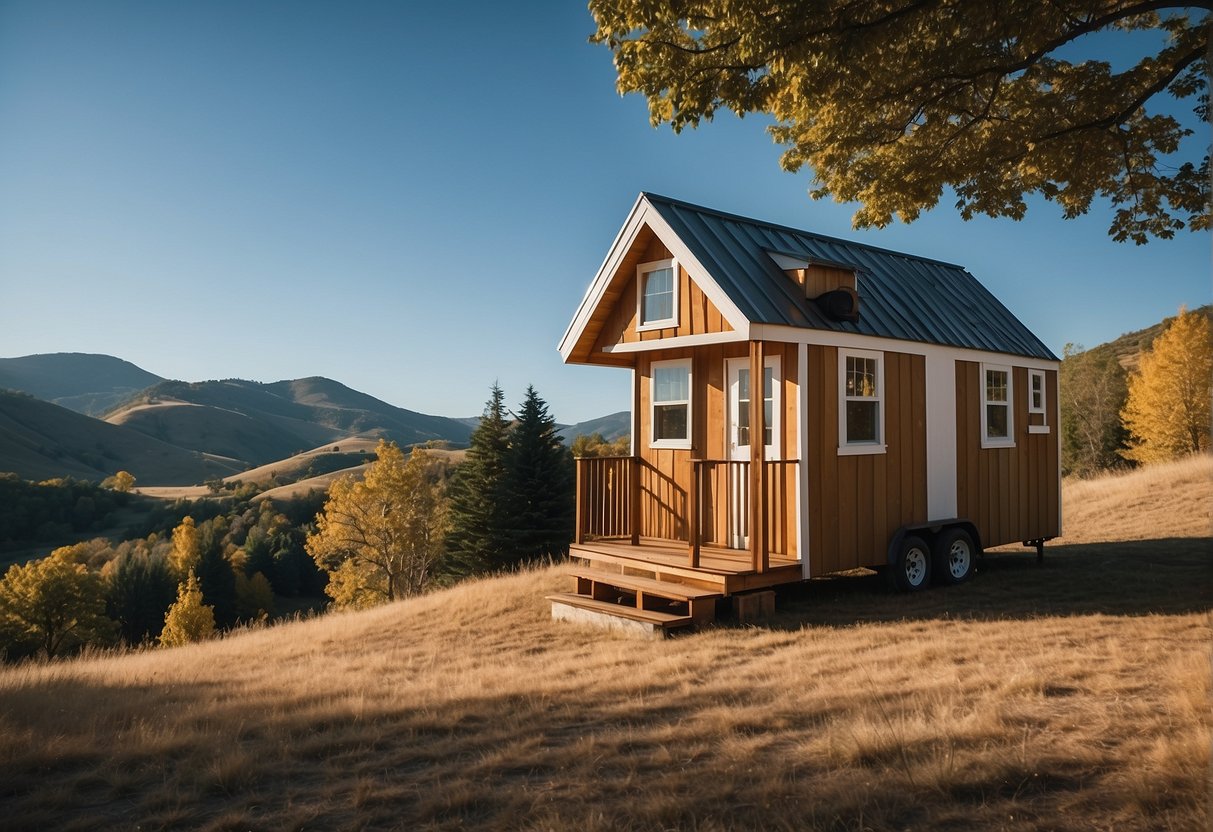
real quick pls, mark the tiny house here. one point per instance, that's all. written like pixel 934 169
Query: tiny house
pixel 801 405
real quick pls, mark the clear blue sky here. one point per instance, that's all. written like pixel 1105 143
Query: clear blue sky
pixel 408 198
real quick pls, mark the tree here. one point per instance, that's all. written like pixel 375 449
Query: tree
pixel 1092 389
pixel 479 514
pixel 538 485
pixel 123 482
pixel 215 574
pixel 595 444
pixel 187 548
pixel 51 605
pixel 188 619
pixel 890 102
pixel 1168 409
pixel 381 537
pixel 254 597
pixel 139 591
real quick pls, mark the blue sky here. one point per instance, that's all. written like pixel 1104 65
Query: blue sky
pixel 408 198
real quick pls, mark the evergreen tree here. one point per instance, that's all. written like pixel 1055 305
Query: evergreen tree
pixel 140 590
pixel 476 541
pixel 188 619
pixel 539 486
pixel 215 575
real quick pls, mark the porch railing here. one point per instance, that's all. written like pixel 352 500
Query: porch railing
pixel 624 497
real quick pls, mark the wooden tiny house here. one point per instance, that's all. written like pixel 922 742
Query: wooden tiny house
pixel 908 419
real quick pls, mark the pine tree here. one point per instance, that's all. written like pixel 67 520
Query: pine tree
pixel 1168 408
pixel 476 541
pixel 188 619
pixel 215 575
pixel 140 590
pixel 539 486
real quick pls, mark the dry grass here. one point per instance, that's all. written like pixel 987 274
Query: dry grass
pixel 1069 696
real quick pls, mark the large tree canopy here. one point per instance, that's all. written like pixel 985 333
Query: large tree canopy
pixel 890 101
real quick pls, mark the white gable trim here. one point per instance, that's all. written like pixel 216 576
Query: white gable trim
pixel 676 341
pixel 643 214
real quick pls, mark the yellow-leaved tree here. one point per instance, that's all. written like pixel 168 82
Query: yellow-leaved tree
pixel 380 538
pixel 188 619
pixel 187 548
pixel 50 605
pixel 1168 410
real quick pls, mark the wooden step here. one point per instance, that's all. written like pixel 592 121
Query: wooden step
pixel 673 590
pixel 572 607
pixel 704 578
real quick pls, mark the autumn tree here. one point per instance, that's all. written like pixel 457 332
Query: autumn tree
pixel 51 605
pixel 891 102
pixel 187 548
pixel 381 537
pixel 1093 392
pixel 595 444
pixel 122 482
pixel 538 486
pixel 479 514
pixel 1168 409
pixel 188 619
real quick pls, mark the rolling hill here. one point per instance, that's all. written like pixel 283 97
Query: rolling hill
pixel 84 382
pixel 1129 347
pixel 611 427
pixel 40 440
pixel 1067 696
pixel 261 423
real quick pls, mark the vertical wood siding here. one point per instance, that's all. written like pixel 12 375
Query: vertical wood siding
pixel 1011 494
pixel 855 503
pixel 696 314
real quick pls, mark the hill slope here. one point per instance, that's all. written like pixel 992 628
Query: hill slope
pixel 611 427
pixel 84 382
pixel 262 423
pixel 1129 347
pixel 40 440
pixel 1069 696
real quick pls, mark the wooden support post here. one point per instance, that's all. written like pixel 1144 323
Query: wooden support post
pixel 693 516
pixel 634 499
pixel 759 554
pixel 579 485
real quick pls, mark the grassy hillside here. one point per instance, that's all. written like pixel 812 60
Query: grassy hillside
pixel 39 440
pixel 83 382
pixel 1129 347
pixel 1068 696
pixel 263 423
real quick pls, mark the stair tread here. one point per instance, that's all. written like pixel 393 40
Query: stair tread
pixel 650 616
pixel 665 589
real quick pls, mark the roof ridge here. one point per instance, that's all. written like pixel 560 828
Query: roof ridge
pixel 775 225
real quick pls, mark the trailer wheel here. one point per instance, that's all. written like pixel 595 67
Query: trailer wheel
pixel 954 556
pixel 912 569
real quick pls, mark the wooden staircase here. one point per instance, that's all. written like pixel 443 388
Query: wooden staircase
pixel 646 605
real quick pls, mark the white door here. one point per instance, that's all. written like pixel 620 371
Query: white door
pixel 738 440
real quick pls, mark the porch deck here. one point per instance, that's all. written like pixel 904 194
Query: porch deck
pixel 726 571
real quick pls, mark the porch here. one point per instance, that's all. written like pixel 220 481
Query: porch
pixel 726 525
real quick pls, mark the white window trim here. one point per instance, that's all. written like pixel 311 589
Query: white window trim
pixel 850 448
pixel 998 442
pixel 641 271
pixel 1032 408
pixel 771 452
pixel 675 444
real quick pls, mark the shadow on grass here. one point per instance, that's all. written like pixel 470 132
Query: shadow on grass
pixel 1165 576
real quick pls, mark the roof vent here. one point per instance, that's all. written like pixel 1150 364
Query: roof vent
pixel 839 304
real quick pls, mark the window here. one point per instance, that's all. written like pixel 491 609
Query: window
pixel 861 402
pixel 670 395
pixel 657 294
pixel 1036 391
pixel 997 426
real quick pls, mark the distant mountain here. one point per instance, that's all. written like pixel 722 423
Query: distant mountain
pixel 1129 347
pixel 40 440
pixel 611 427
pixel 260 423
pixel 83 382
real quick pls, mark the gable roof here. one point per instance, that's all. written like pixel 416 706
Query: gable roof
pixel 900 296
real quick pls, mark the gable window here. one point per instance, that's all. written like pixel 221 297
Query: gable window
pixel 1036 391
pixel 997 426
pixel 657 294
pixel 861 402
pixel 670 398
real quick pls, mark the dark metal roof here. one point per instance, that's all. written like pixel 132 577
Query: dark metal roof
pixel 900 296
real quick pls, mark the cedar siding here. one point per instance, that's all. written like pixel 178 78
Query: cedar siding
pixel 1010 494
pixel 856 502
pixel 696 314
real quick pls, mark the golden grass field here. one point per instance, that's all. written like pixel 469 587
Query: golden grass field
pixel 1073 695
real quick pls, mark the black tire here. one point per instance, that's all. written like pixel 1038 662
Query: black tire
pixel 911 571
pixel 954 556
